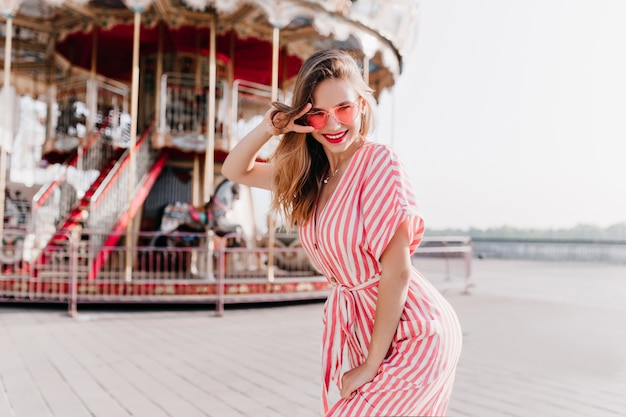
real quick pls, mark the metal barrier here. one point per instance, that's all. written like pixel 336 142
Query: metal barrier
pixel 578 250
pixel 170 267
pixel 448 248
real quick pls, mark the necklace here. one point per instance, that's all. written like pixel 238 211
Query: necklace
pixel 329 176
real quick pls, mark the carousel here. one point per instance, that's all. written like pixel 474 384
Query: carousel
pixel 116 117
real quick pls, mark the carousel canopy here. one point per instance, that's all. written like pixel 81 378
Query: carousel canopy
pixel 51 35
pixel 114 46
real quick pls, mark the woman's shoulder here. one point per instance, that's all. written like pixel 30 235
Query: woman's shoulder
pixel 379 151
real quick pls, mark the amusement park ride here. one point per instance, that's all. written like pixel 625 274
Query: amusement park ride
pixel 116 117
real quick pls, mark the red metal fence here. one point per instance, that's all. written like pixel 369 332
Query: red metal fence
pixel 172 267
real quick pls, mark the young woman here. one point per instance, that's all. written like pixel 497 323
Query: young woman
pixel 359 223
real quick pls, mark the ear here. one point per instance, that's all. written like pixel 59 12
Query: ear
pixel 363 105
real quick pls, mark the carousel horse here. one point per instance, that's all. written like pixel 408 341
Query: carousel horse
pixel 180 221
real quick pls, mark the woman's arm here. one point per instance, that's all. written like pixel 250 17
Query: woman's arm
pixel 392 292
pixel 241 166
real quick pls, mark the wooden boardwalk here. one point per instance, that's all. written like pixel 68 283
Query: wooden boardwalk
pixel 540 339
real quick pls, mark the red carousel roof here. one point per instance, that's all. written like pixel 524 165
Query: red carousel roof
pixel 253 56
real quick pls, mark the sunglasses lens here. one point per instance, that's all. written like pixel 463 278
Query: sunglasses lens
pixel 317 119
pixel 346 114
pixel 343 114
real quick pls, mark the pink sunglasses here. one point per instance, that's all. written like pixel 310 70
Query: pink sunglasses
pixel 343 113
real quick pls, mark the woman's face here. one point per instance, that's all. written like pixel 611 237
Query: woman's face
pixel 336 115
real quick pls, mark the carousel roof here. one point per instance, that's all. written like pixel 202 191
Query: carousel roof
pixel 62 32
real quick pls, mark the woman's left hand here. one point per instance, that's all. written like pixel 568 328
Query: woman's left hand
pixel 355 378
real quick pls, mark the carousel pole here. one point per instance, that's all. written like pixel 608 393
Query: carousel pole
pixel 196 198
pixel 228 132
pixel 132 163
pixel 9 10
pixel 209 154
pixel 158 75
pixel 271 224
pixel 93 91
pixel 209 160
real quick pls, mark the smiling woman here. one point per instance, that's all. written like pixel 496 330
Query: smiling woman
pixel 359 223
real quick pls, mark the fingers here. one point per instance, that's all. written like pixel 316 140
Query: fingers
pixel 280 123
pixel 347 391
pixel 348 395
pixel 304 111
pixel 278 120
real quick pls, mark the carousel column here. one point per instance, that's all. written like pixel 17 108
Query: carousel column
pixel 92 90
pixel 159 119
pixel 9 9
pixel 271 224
pixel 209 155
pixel 138 7
pixel 209 169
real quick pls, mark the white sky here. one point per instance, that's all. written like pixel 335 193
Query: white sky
pixel 513 112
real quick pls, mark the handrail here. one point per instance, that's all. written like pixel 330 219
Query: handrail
pixel 46 190
pixel 117 230
pixel 115 171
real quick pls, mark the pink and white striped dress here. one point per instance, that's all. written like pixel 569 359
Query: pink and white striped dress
pixel 352 230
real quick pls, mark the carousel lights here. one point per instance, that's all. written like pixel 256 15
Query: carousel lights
pixel 138 6
pixel 59 3
pixel 224 6
pixel 370 44
pixel 9 8
pixel 339 6
pixel 199 5
pixel 329 26
pixel 279 13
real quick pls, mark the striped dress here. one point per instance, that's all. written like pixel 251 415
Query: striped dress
pixel 346 242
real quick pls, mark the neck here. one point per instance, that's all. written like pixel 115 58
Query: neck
pixel 336 161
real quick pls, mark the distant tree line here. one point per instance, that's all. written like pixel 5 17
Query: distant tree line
pixel 579 232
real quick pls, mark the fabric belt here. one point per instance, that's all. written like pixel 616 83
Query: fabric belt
pixel 339 318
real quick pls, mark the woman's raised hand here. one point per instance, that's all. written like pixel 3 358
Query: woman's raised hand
pixel 279 122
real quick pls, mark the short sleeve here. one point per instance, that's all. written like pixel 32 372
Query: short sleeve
pixel 387 200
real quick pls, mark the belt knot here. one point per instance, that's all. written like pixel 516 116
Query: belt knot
pixel 340 315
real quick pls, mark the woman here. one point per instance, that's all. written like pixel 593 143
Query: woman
pixel 359 223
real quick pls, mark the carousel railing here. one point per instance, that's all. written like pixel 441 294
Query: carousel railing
pixel 183 110
pixel 175 266
pixel 54 201
pixel 83 104
pixel 182 266
pixel 111 198
pixel 250 102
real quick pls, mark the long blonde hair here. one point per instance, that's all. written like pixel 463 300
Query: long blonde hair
pixel 299 160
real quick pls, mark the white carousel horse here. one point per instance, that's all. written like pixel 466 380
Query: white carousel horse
pixel 181 216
